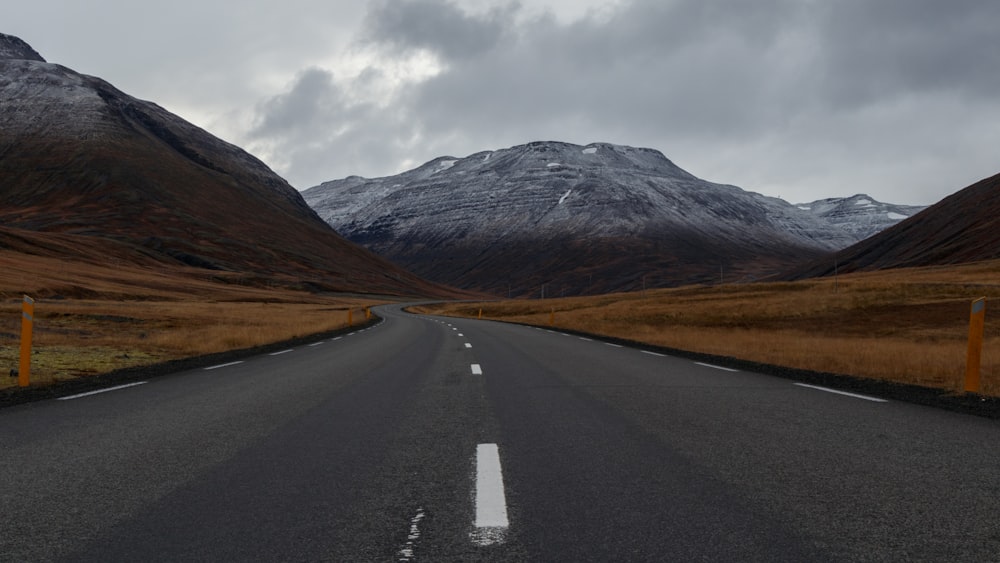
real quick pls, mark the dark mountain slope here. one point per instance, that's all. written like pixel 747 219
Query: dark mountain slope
pixel 79 157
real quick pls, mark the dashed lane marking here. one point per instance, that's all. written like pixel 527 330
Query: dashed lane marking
pixel 89 393
pixel 491 523
pixel 716 367
pixel 845 393
pixel 477 369
pixel 281 352
pixel 223 365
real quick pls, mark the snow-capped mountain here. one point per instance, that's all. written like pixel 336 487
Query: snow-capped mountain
pixel 963 227
pixel 577 219
pixel 83 161
pixel 860 215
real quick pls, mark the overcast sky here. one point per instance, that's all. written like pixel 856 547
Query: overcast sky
pixel 800 99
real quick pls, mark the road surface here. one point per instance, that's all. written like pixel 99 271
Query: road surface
pixel 433 439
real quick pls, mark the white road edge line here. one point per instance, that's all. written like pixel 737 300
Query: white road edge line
pixel 313 345
pixel 653 353
pixel 491 521
pixel 586 339
pixel 477 369
pixel 613 345
pixel 716 367
pixel 855 395
pixel 223 365
pixel 100 391
pixel 281 352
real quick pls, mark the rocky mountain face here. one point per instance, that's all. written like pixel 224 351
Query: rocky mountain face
pixel 860 215
pixel 100 169
pixel 14 48
pixel 963 227
pixel 570 219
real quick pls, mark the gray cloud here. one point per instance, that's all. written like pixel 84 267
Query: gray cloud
pixel 874 50
pixel 796 98
pixel 316 125
pixel 440 27
pixel 802 99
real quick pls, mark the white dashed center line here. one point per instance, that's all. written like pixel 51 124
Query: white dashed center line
pixel 477 369
pixel 467 345
pixel 491 504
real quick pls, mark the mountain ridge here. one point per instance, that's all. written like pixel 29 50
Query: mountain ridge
pixel 80 158
pixel 618 216
pixel 860 214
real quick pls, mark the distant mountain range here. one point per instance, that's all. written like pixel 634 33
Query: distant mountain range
pixel 860 215
pixel 570 219
pixel 89 172
pixel 963 227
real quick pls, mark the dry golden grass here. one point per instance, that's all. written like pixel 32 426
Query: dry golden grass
pixel 908 326
pixel 91 319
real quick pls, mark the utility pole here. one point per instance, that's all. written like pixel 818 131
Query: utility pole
pixel 836 274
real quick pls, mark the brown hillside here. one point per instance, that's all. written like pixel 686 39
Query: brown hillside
pixel 82 160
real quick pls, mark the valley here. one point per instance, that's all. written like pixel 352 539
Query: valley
pixel 905 326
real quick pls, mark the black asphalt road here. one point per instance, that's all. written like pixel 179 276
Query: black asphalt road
pixel 363 449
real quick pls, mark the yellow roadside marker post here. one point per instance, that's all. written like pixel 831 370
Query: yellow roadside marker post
pixel 480 313
pixel 27 325
pixel 977 322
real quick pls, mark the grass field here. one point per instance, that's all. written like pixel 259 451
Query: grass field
pixel 908 326
pixel 91 319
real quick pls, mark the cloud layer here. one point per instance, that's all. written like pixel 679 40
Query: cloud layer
pixel 800 99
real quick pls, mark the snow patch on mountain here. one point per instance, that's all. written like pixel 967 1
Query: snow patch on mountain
pixel 860 215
